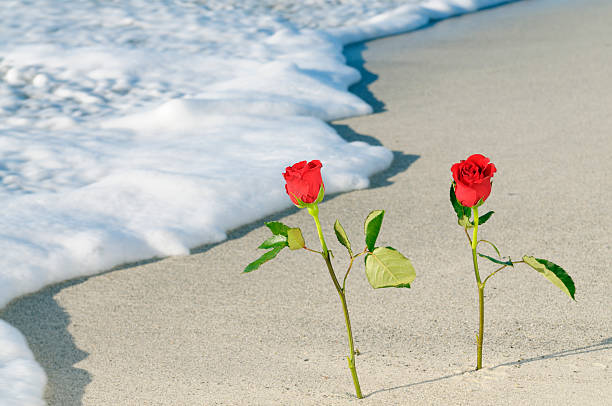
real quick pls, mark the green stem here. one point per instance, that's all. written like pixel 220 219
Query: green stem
pixel 350 266
pixel 492 273
pixel 481 326
pixel 351 357
pixel 314 212
pixel 474 244
pixel 467 235
pixel 346 274
pixel 480 291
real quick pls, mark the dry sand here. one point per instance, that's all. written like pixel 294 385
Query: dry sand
pixel 528 84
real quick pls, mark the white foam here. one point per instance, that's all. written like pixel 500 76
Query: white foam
pixel 136 129
pixel 22 380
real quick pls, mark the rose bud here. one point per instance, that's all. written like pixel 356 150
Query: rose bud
pixel 473 179
pixel 304 183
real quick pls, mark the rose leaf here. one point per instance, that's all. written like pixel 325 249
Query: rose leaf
pixel 372 227
pixel 386 267
pixel 295 239
pixel 264 258
pixel 497 261
pixel 483 219
pixel 278 228
pixel 274 241
pixel 342 237
pixel 553 273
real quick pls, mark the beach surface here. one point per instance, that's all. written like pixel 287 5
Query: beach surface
pixel 528 85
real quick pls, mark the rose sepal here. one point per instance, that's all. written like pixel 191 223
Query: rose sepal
pixel 303 205
pixel 477 205
pixel 321 194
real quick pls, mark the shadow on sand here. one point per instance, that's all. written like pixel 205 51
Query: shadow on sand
pixel 45 325
pixel 354 58
pixel 604 345
pixel 401 161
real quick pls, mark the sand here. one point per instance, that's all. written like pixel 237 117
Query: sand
pixel 528 85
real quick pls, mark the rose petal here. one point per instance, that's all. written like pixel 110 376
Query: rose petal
pixel 456 169
pixel 466 195
pixel 489 170
pixel 480 160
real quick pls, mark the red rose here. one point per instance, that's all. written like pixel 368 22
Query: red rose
pixel 304 181
pixel 473 179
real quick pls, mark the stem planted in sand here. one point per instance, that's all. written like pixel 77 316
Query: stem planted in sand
pixel 314 212
pixel 480 292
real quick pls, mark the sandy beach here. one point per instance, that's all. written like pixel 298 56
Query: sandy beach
pixel 527 84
